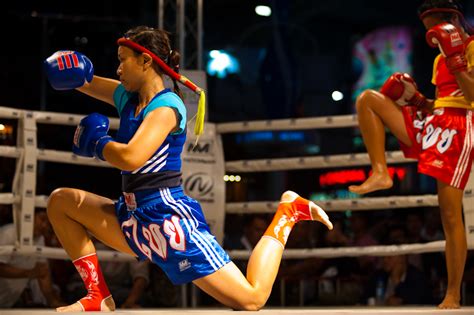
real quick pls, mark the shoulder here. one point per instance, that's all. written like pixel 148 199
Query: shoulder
pixel 167 99
pixel 121 97
pixel 436 60
pixel 172 100
pixel 469 44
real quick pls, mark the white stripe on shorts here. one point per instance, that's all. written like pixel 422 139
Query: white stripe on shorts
pixel 465 153
pixel 189 214
pixel 168 200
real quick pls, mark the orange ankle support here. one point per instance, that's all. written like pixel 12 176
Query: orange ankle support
pixel 287 215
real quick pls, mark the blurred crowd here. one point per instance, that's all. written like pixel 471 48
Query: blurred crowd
pixel 413 279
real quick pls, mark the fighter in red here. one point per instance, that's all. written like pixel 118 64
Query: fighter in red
pixel 441 139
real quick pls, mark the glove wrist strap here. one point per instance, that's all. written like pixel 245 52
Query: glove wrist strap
pixel 99 146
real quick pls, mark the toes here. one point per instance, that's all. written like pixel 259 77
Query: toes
pixel 321 215
pixel 289 196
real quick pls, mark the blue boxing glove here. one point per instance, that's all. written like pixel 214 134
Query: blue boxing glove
pixel 91 136
pixel 67 70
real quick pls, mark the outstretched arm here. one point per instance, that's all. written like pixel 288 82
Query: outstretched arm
pixel 100 88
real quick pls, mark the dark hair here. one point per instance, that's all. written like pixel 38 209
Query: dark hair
pixel 440 4
pixel 158 42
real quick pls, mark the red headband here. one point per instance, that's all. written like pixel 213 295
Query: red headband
pixel 166 69
pixel 440 10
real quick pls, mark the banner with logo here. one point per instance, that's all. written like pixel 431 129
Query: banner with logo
pixel 203 172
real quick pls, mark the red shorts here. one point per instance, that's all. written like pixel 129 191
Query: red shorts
pixel 441 142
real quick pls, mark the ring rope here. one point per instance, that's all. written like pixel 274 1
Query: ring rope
pixel 8 199
pixel 371 203
pixel 243 166
pixel 250 165
pixel 329 252
pixel 10 151
pixel 342 121
pixel 313 162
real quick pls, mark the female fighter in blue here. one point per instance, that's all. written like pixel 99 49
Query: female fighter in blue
pixel 153 219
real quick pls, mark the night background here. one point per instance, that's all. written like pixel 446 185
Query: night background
pixel 289 65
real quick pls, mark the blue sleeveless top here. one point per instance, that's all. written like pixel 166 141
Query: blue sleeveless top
pixel 163 168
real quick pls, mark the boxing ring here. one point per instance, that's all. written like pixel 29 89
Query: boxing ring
pixel 23 199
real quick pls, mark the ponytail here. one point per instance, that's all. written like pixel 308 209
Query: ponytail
pixel 173 62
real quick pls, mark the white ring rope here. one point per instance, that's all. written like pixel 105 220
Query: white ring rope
pixel 342 121
pixel 314 162
pixel 329 252
pixel 333 252
pixel 243 166
pixel 9 151
pixel 261 165
pixel 59 253
pixel 372 203
pixel 67 119
pixel 240 166
pixel 8 199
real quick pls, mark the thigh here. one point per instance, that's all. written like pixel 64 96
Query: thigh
pixel 227 285
pixel 97 215
pixel 393 117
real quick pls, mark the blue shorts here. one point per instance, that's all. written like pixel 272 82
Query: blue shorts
pixel 169 228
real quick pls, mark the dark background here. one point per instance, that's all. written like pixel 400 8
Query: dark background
pixel 290 64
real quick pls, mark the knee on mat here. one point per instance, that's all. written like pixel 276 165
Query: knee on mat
pixel 255 303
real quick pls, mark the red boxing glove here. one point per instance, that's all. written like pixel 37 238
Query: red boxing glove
pixel 402 89
pixel 449 40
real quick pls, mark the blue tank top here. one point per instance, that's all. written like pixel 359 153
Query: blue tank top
pixel 163 168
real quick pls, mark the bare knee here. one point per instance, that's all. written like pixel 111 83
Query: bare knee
pixel 255 302
pixel 452 221
pixel 57 201
pixel 366 99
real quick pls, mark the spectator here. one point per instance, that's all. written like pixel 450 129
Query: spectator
pixel 399 283
pixel 253 229
pixel 16 272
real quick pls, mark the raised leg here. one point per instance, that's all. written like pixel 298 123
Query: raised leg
pixel 375 112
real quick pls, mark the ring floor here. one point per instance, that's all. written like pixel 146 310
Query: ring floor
pixel 273 311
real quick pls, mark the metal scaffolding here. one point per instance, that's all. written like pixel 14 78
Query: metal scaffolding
pixel 184 19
